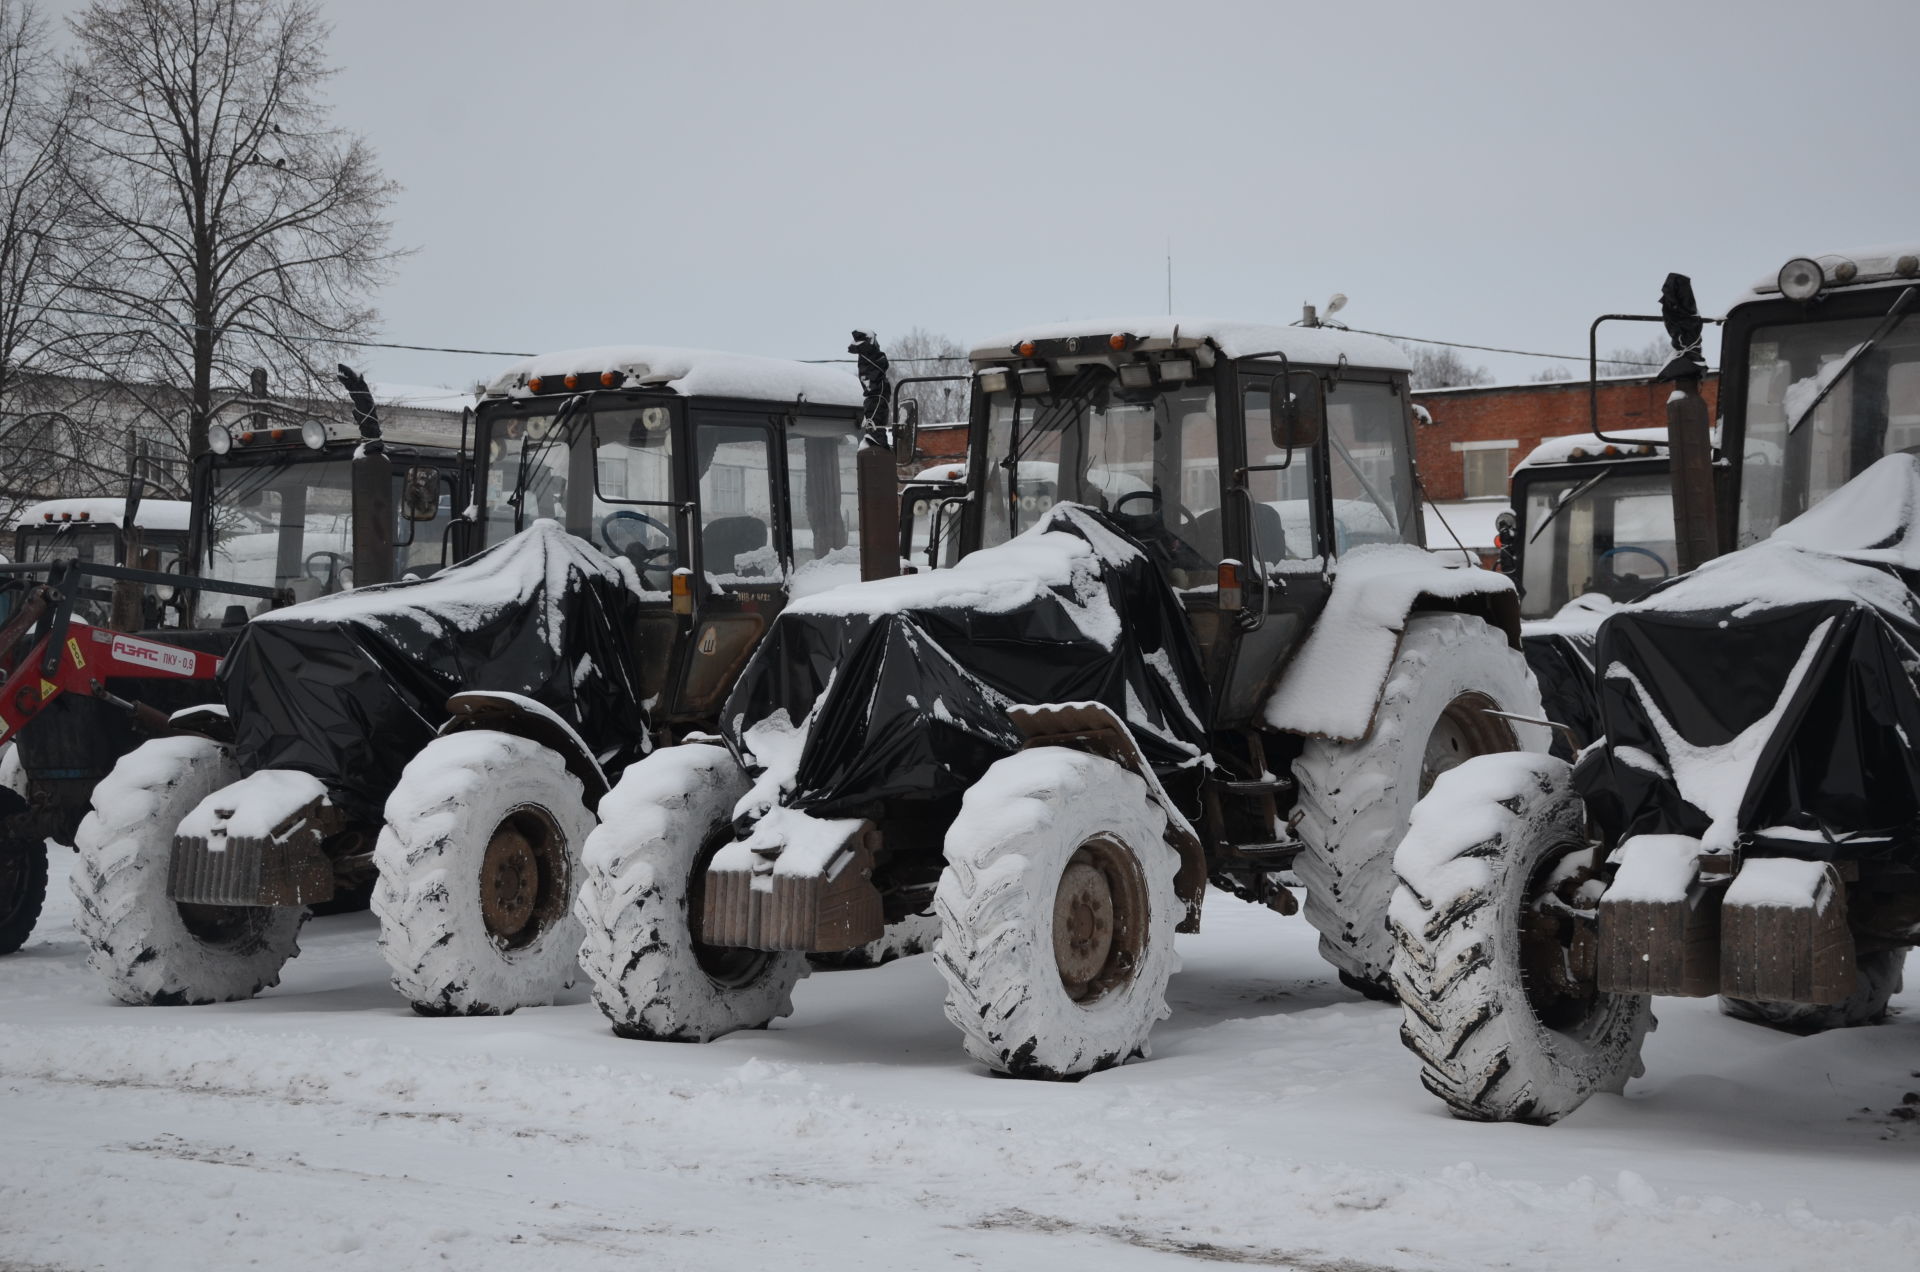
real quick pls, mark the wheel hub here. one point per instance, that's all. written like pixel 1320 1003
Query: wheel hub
pixel 522 877
pixel 1465 729
pixel 1100 915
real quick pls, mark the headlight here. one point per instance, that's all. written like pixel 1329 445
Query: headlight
pixel 1801 279
pixel 219 439
pixel 654 418
pixel 994 381
pixel 314 434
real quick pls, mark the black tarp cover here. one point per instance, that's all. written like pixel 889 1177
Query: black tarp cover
pixel 1775 689
pixel 350 687
pixel 902 685
pixel 1561 660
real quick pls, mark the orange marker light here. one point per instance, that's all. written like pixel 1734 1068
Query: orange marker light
pixel 609 378
pixel 681 588
pixel 534 385
pixel 86 516
pixel 1116 342
pixel 277 434
pixel 1229 580
pixel 1025 348
pixel 46 516
pixel 245 438
pixel 572 380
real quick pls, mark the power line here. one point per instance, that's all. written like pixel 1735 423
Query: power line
pixel 1525 353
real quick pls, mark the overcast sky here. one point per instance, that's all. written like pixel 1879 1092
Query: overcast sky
pixel 764 177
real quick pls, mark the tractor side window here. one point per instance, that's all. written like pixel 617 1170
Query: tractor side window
pixel 1282 496
pixel 736 504
pixel 1371 474
pixel 823 493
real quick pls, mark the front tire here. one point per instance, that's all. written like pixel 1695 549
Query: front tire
pixel 1356 798
pixel 1057 910
pixel 478 862
pixel 1493 891
pixel 153 950
pixel 1880 976
pixel 643 873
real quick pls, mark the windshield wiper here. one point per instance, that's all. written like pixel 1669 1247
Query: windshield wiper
pixel 1568 501
pixel 1894 317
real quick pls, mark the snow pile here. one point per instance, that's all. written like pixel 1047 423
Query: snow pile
pixel 252 808
pixel 1836 550
pixel 1329 689
pixel 1322 346
pixel 543 558
pixel 689 372
pixel 999 580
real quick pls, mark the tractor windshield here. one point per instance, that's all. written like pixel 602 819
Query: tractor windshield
pixel 1608 532
pixel 94 543
pixel 1821 407
pixel 282 524
pixel 603 470
pixel 1149 458
pixel 288 523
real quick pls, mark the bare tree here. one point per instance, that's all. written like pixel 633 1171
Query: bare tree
pixel 1552 374
pixel 1439 367
pixel 1643 359
pixel 239 227
pixel 922 352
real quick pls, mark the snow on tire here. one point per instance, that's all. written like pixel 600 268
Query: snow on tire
pixel 643 870
pixel 1357 797
pixel 151 949
pixel 1057 909
pixel 478 862
pixel 1496 856
pixel 1879 978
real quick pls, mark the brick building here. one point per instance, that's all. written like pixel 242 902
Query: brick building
pixel 1476 435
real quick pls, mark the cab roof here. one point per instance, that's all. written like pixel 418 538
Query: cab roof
pixel 1559 450
pixel 1232 339
pixel 1889 263
pixel 155 514
pixel 688 372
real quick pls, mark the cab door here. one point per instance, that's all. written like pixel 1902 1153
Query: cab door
pixel 1276 521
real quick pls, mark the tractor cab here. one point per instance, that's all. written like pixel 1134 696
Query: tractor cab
pixel 726 481
pixel 278 505
pixel 1821 378
pixel 90 531
pixel 1245 459
pixel 1591 515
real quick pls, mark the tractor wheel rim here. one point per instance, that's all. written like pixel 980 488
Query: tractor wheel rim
pixel 522 877
pixel 1464 730
pixel 1099 920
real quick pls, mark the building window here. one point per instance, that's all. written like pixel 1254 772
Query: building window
pixel 1484 471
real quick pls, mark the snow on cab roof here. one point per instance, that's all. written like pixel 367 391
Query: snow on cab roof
pixel 1887 263
pixel 155 514
pixel 689 372
pixel 1559 450
pixel 1317 345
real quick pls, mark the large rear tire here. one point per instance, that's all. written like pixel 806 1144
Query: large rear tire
pixel 153 950
pixel 642 875
pixel 1057 909
pixel 1356 798
pixel 1880 976
pixel 23 889
pixel 478 863
pixel 1493 890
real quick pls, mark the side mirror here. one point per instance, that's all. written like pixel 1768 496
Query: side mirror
pixel 1299 412
pixel 420 500
pixel 906 432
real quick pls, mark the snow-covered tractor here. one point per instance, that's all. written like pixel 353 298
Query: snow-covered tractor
pixel 1191 637
pixel 288 504
pixel 1745 825
pixel 1590 528
pixel 641 514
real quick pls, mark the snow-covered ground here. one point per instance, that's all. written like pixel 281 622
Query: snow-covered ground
pixel 1279 1124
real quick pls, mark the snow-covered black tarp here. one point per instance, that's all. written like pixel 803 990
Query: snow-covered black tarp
pixel 900 687
pixel 1774 693
pixel 349 687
